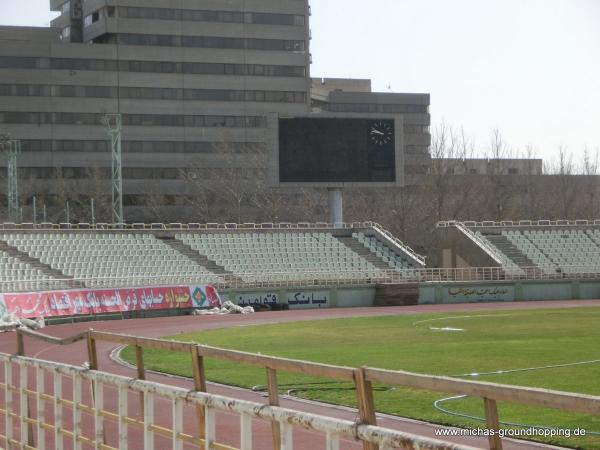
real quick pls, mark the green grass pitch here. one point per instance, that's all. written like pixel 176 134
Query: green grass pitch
pixel 438 344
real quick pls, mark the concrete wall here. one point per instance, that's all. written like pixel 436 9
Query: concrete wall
pixel 457 250
pixel 493 291
pixel 429 293
pixel 303 298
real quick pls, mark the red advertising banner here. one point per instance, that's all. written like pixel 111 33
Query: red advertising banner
pixel 96 301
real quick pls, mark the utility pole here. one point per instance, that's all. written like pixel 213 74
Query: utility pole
pixel 114 128
pixel 12 148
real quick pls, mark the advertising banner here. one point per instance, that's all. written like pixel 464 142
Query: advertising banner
pixel 480 293
pixel 309 299
pixel 205 296
pixel 256 299
pixel 98 301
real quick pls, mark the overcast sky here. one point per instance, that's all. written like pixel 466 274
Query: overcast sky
pixel 530 68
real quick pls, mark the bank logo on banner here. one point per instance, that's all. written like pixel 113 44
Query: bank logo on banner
pixel 205 297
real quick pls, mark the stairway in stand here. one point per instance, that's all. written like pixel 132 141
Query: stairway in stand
pixel 49 271
pixel 509 249
pixel 364 252
pixel 199 258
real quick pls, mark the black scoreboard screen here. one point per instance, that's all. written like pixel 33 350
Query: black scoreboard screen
pixel 337 150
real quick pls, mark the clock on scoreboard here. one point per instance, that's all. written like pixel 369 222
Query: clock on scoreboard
pixel 325 150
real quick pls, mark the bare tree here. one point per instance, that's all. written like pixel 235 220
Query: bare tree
pixel 591 183
pixel 450 195
pixel 532 204
pixel 499 189
pixel 563 184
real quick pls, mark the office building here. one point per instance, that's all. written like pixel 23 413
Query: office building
pixel 193 80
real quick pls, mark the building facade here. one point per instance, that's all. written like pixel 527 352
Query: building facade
pixel 194 81
pixel 486 166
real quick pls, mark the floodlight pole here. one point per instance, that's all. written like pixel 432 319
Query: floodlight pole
pixel 12 149
pixel 114 127
pixel 336 207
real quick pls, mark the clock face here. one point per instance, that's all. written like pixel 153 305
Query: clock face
pixel 381 133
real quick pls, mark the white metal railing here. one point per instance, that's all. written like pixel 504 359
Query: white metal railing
pixel 9 226
pixel 58 417
pixel 520 223
pixel 312 278
pixel 419 259
pixel 492 251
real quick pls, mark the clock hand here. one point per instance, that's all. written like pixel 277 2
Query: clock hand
pixel 376 132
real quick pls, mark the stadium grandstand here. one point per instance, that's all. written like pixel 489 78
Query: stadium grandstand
pixel 550 247
pixel 84 256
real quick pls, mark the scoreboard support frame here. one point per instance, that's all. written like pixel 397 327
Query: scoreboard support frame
pixel 336 206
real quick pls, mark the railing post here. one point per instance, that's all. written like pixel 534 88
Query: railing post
pixel 148 412
pixel 58 411
pixel 199 385
pixel 91 348
pixel 273 391
pixel 21 352
pixel 20 343
pixel 245 432
pixel 41 410
pixel 141 371
pixel 123 411
pixel 366 405
pixel 493 423
pixel 93 362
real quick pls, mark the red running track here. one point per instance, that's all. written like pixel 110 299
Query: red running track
pixel 227 423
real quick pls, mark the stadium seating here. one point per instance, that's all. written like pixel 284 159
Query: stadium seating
pixel 280 254
pixel 139 257
pixel 388 255
pixel 507 263
pixel 565 248
pixel 16 275
pixel 153 255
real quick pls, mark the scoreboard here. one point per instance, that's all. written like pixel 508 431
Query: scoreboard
pixel 321 150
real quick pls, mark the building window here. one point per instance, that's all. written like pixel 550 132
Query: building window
pixel 91 18
pixel 193 15
pixel 15 62
pixel 66 33
pixel 210 42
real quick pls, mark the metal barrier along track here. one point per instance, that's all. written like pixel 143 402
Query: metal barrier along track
pixel 373 438
pixel 57 420
pixel 270 280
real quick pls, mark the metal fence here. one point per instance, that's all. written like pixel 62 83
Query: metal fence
pixel 315 278
pixel 45 226
pixel 520 223
pixel 71 418
pixel 29 426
